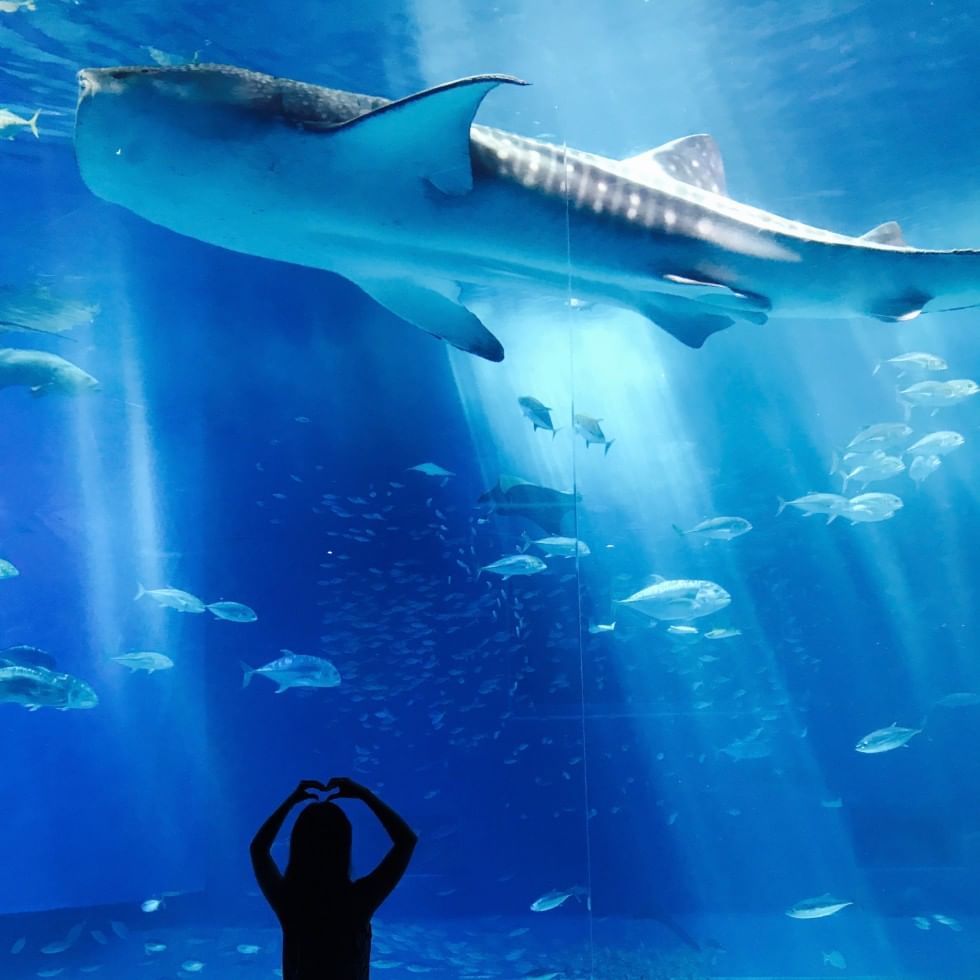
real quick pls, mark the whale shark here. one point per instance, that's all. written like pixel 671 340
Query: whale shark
pixel 421 207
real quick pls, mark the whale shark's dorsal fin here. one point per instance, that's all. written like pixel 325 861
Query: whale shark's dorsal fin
pixel 889 233
pixel 694 160
pixel 429 130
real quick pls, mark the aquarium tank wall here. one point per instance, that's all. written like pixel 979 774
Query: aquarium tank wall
pixel 587 468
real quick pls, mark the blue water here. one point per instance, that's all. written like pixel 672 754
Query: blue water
pixel 252 441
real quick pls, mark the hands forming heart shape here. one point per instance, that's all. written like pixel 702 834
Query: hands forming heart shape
pixel 338 788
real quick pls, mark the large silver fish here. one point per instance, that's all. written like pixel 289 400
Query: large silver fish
pixel 412 201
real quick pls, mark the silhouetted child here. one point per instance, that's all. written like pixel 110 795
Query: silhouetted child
pixel 325 916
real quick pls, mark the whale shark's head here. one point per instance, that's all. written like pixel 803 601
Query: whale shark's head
pixel 150 138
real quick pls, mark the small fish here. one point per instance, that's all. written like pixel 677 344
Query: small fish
pixel 538 414
pixel 559 547
pixel 233 612
pixel 718 528
pixel 119 928
pixel 151 948
pixel 38 687
pixel 18 946
pixel 247 949
pixel 512 565
pixel 8 569
pixel 152 905
pixel 886 739
pixel 688 631
pixel 144 660
pixel 948 921
pixel 12 6
pixel 936 444
pixel 192 966
pixel 960 699
pixel 871 469
pixel 10 122
pixel 725 633
pixel 869 508
pixel 880 436
pixel 817 908
pixel 678 599
pixel 590 430
pixel 171 598
pixel 43 373
pixel 556 898
pixel 295 670
pixel 754 746
pixel 835 959
pixel 829 504
pixel 937 394
pixel 596 628
pixel 921 922
pixel 923 467
pixel 430 469
pixel 915 362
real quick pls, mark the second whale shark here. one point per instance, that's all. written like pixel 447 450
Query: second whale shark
pixel 414 202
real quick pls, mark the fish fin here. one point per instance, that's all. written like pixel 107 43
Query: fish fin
pixel 888 233
pixel 428 131
pixel 679 530
pixel 832 517
pixel 247 672
pixel 38 391
pixel 835 463
pixel 899 309
pixel 702 290
pixel 281 688
pixel 691 329
pixel 694 160
pixel 140 592
pixel 609 444
pixel 782 505
pixel 32 122
pixel 877 368
pixel 436 313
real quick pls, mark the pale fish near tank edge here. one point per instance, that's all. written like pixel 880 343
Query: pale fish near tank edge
pixel 886 739
pixel 171 598
pixel 294 670
pixel 232 612
pixel 817 908
pixel 678 599
pixel 144 660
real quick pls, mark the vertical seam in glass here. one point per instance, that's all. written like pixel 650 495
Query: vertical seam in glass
pixel 578 560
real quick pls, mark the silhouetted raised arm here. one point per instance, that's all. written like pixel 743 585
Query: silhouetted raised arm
pixel 379 884
pixel 267 873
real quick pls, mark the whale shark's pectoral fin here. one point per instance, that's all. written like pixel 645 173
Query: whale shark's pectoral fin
pixel 428 132
pixel 899 309
pixel 430 309
pixel 695 160
pixel 692 327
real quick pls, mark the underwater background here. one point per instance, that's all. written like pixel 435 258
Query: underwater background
pixel 254 440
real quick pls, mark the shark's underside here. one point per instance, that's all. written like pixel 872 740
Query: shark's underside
pixel 413 202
